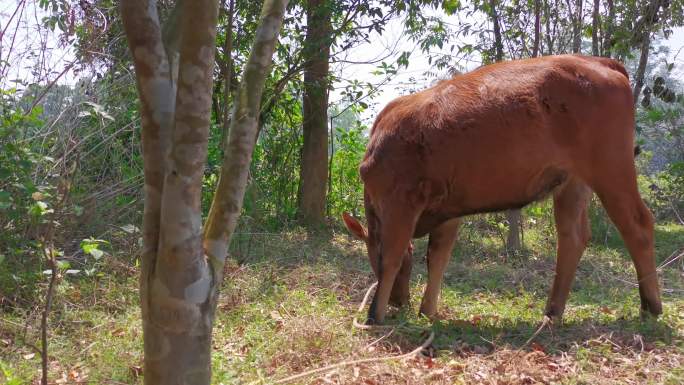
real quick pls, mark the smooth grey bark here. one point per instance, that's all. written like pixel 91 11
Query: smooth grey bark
pixel 314 170
pixel 229 195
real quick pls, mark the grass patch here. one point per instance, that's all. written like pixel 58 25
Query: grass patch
pixel 287 307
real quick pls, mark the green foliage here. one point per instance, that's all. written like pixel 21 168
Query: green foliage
pixel 346 189
pixel 7 377
pixel 23 202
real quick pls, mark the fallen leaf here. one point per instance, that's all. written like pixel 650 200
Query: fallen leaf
pixel 537 348
pixel 429 363
pixel 606 310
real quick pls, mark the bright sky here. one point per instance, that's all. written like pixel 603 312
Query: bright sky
pixel 412 78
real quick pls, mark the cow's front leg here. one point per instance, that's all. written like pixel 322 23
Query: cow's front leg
pixel 401 291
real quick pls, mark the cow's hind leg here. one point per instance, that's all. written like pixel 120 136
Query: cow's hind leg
pixel 439 252
pixel 620 197
pixel 397 226
pixel 570 204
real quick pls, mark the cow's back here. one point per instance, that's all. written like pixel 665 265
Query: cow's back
pixel 510 124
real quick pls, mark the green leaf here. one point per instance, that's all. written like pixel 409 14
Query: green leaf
pixel 5 200
pixel 451 6
pixel 92 246
pixel 39 209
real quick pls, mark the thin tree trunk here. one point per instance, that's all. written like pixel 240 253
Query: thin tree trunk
pixel 577 27
pixel 330 162
pixel 498 42
pixel 641 69
pixel 608 36
pixel 537 28
pixel 549 33
pixel 229 195
pixel 314 171
pixel 649 17
pixel 514 221
pixel 595 23
pixel 228 75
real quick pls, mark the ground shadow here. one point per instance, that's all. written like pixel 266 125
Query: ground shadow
pixel 480 337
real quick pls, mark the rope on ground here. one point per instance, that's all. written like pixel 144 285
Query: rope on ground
pixel 338 365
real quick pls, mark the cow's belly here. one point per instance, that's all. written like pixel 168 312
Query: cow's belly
pixel 488 193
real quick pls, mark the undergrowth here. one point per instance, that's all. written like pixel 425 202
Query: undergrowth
pixel 289 298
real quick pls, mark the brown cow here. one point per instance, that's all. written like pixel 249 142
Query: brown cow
pixel 498 138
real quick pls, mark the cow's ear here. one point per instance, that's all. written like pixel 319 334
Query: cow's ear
pixel 355 227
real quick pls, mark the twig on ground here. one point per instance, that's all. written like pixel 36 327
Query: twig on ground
pixel 545 322
pixel 380 339
pixel 410 354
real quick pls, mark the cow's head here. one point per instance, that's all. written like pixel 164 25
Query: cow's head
pixel 360 232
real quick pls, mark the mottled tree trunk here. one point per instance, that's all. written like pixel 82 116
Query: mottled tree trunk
pixel 314 171
pixel 595 23
pixel 179 279
pixel 175 278
pixel 229 195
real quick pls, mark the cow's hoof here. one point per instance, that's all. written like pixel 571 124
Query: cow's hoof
pixel 647 315
pixel 553 320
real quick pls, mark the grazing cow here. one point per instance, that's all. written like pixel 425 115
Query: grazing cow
pixel 498 138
